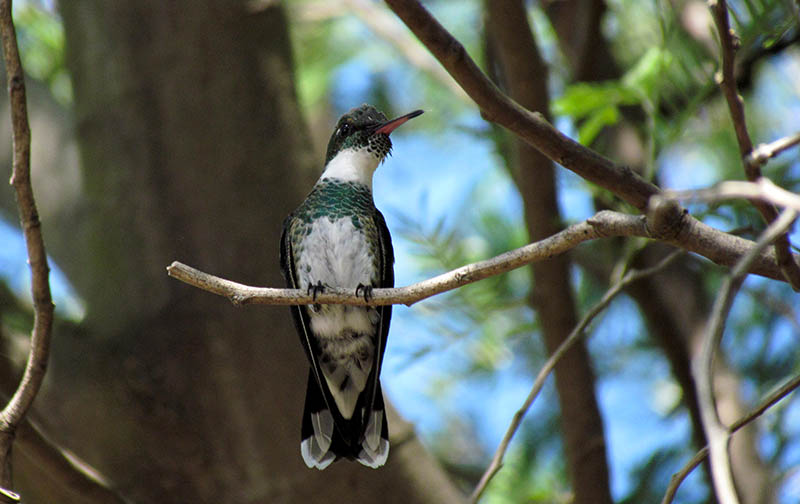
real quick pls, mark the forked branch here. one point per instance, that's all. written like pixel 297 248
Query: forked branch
pixel 750 159
pixel 717 434
pixel 769 401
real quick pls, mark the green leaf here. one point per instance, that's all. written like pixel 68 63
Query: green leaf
pixel 587 99
pixel 582 98
pixel 41 40
pixel 647 74
pixel 602 117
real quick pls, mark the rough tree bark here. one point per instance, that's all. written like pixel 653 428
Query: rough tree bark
pixel 192 147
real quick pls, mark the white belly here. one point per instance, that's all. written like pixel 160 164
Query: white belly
pixel 337 254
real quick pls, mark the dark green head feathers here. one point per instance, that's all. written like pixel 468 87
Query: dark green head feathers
pixel 365 127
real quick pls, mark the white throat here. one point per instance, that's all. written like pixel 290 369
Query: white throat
pixel 353 166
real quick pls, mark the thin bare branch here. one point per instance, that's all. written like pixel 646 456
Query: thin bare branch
pixel 603 224
pixel 693 236
pixel 35 368
pixel 727 81
pixel 550 364
pixel 717 434
pixel 677 478
pixel 765 404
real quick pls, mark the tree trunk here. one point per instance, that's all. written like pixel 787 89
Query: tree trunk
pixel 192 149
pixel 581 423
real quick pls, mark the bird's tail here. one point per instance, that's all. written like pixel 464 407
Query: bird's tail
pixel 323 442
pixel 375 441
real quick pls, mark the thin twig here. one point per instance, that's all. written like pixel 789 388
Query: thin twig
pixel 36 366
pixel 727 79
pixel 550 364
pixel 765 404
pixel 727 82
pixel 762 189
pixel 763 152
pixel 716 433
pixel 677 478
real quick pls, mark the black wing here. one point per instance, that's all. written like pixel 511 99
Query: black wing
pixel 299 312
pixel 303 325
pixel 386 265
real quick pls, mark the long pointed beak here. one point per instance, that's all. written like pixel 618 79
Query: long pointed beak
pixel 390 126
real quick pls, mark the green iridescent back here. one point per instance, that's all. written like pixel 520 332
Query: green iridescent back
pixel 336 199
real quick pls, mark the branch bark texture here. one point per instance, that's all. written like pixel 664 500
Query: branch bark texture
pixel 36 365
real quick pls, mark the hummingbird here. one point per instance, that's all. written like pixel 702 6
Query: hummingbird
pixel 337 238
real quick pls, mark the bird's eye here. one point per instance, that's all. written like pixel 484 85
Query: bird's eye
pixel 344 129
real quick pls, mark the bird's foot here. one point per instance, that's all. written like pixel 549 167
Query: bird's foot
pixel 366 289
pixel 315 289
